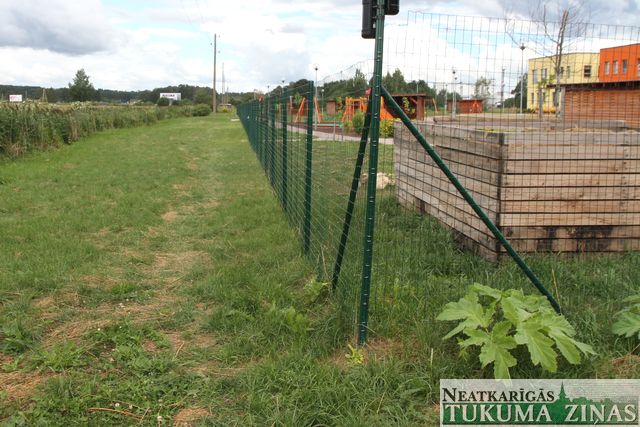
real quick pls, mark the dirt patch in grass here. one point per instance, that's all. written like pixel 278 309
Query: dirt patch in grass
pixel 181 261
pixel 22 385
pixel 383 348
pixel 45 303
pixel 102 233
pixel 71 331
pixel 154 231
pixel 627 366
pixel 149 346
pixel 211 204
pixel 192 165
pixel 189 416
pixel 169 216
pixel 214 369
pixel 377 349
pixel 180 343
pixel 99 281
pixel 339 359
pixel 5 359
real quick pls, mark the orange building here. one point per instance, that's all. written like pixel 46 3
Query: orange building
pixel 620 63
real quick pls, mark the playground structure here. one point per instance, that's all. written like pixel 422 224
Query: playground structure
pixel 412 104
pixel 467 106
pixel 300 111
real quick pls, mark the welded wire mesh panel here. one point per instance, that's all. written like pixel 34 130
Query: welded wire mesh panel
pixel 534 118
pixel 543 135
pixel 538 121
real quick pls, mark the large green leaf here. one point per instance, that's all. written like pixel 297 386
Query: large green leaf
pixel 540 346
pixel 514 310
pixel 567 347
pixel 468 309
pixel 496 351
pixel 455 331
pixel 560 330
pixel 628 324
pixel 496 294
pixel 476 337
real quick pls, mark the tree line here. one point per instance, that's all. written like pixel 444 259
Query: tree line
pixel 81 89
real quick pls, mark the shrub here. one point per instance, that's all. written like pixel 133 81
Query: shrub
pixel 201 110
pixel 163 102
pixel 358 122
pixel 386 128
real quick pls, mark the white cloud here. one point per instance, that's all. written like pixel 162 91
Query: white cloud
pixel 69 27
pixel 143 44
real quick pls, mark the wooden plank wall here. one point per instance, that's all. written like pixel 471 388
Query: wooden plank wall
pixel 560 191
pixel 474 156
pixel 603 104
pixel 572 191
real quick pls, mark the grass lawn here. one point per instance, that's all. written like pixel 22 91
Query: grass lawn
pixel 149 277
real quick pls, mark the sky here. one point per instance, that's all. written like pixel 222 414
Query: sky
pixel 143 44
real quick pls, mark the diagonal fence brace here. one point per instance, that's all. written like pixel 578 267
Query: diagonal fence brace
pixel 393 105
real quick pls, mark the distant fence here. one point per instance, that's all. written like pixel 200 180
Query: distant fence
pixel 551 171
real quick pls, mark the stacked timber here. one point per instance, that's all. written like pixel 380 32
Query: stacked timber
pixel 557 191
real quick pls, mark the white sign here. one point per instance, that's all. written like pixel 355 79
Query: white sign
pixel 15 98
pixel 512 403
pixel 172 96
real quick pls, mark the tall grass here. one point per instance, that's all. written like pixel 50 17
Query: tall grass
pixel 36 126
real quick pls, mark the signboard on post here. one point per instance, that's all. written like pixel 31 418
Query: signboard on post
pixel 172 96
pixel 15 98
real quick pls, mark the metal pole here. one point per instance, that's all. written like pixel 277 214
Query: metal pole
pixel 315 94
pixel 285 148
pixel 502 90
pixel 453 94
pixel 521 75
pixel 365 290
pixel 306 228
pixel 355 183
pixel 215 58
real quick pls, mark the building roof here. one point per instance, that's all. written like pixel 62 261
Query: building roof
pixel 565 54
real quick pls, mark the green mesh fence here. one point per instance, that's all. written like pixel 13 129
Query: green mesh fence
pixel 553 161
pixel 311 174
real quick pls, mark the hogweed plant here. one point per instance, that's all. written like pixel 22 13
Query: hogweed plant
pixel 627 322
pixel 500 321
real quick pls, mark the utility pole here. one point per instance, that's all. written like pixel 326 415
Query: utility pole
pixel 502 90
pixel 453 89
pixel 215 57
pixel 522 47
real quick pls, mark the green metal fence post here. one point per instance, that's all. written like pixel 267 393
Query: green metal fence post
pixel 363 317
pixel 390 102
pixel 273 140
pixel 355 183
pixel 261 133
pixel 285 148
pixel 306 229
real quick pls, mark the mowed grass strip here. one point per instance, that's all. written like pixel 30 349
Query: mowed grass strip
pixel 148 276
